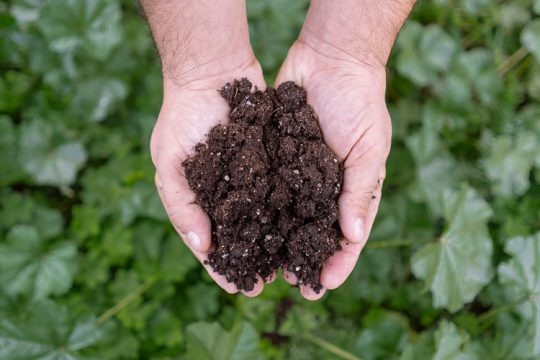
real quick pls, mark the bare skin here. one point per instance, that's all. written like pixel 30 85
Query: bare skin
pixel 196 62
pixel 341 65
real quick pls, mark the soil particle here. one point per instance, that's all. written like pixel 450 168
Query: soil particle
pixel 270 186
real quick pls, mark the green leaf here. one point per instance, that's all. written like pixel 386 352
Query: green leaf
pixel 475 7
pixel 94 269
pixel 422 348
pixel 302 319
pixel 424 52
pixel 85 221
pixel 148 244
pixel 530 37
pixel 509 162
pixel 477 68
pixel 122 343
pixel 204 301
pixel 454 89
pixel 208 341
pixel 96 98
pixel 520 276
pixel 446 343
pixel 436 169
pixel 260 312
pixel 47 162
pixel 26 11
pixel 167 329
pixel 457 267
pixel 533 85
pixel 91 25
pixel 437 47
pixel 13 88
pixel 274 25
pixel 512 16
pixel 30 266
pixel 384 335
pixel 117 243
pixel 512 340
pixel 177 260
pixel 449 343
pixel 48 222
pixel 45 331
pixel 11 170
pixel 141 200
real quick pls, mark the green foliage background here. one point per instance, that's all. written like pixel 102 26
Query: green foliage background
pixel 91 268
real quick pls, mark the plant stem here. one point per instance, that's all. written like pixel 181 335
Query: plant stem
pixel 395 243
pixel 521 68
pixel 126 300
pixel 329 347
pixel 500 309
pixel 512 61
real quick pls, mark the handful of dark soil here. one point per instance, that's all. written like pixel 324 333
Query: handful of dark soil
pixel 270 186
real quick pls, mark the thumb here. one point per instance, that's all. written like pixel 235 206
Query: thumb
pixel 187 217
pixel 363 175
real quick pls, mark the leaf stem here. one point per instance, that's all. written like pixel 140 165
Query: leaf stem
pixel 512 61
pixel 126 300
pixel 329 347
pixel 485 318
pixel 500 309
pixel 521 68
pixel 395 243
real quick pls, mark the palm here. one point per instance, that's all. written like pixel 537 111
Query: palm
pixel 186 116
pixel 348 97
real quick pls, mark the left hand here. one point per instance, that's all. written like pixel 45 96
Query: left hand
pixel 348 96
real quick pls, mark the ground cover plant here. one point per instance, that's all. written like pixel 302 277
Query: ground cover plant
pixel 90 267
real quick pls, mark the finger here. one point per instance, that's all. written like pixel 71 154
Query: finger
pixel 179 201
pixel 271 278
pixel 202 228
pixel 309 294
pixel 289 276
pixel 221 280
pixel 363 169
pixel 257 288
pixel 340 265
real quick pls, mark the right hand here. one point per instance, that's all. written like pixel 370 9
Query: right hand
pixel 190 108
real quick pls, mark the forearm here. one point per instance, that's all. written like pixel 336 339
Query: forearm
pixel 363 29
pixel 191 35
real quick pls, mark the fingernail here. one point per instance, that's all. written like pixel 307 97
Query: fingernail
pixel 194 240
pixel 359 230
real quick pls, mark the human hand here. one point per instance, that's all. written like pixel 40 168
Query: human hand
pixel 358 131
pixel 344 76
pixel 186 116
pixel 198 58
pixel 348 97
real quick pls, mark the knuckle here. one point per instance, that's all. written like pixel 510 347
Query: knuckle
pixel 177 222
pixel 359 201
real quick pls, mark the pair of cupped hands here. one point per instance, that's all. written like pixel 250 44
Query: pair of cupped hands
pixel 348 95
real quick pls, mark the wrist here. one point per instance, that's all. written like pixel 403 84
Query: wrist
pixel 361 29
pixel 198 39
pixel 208 70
